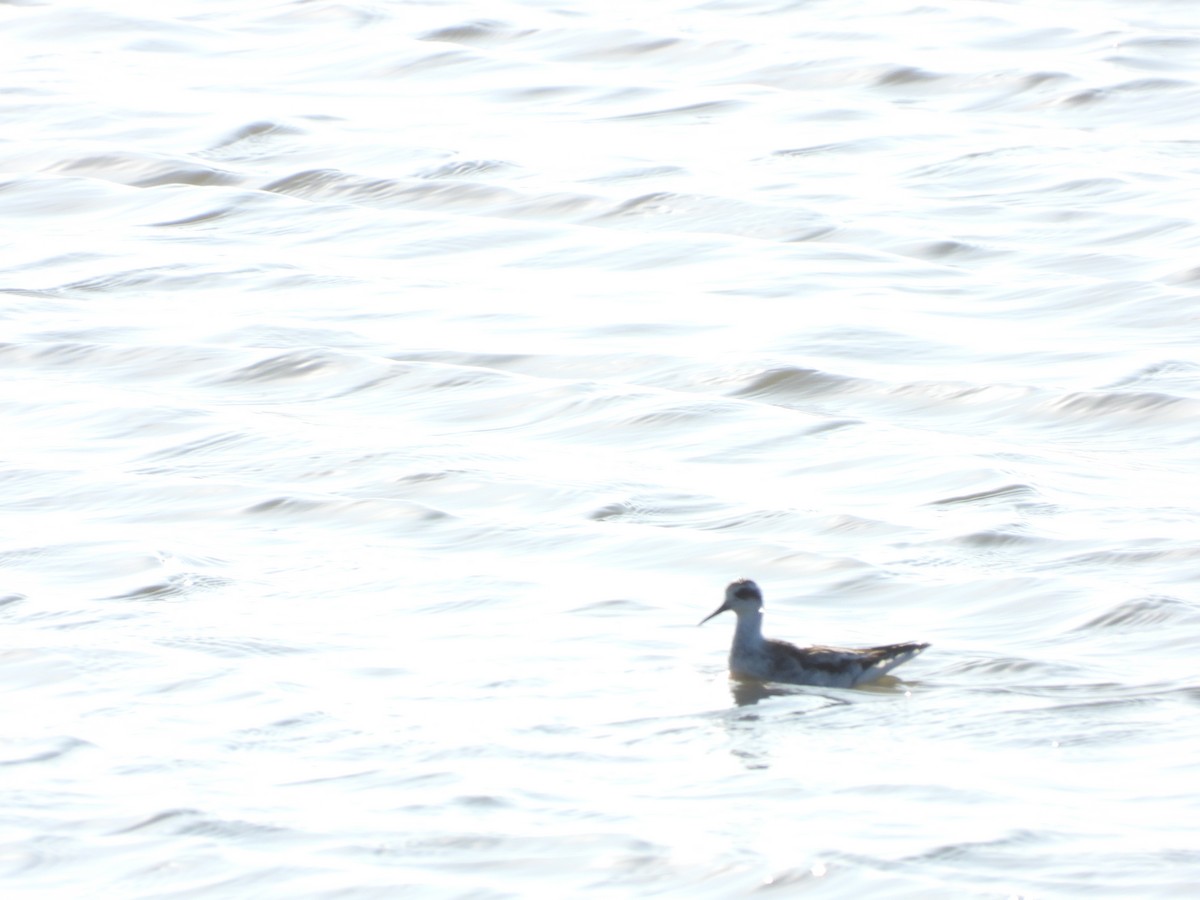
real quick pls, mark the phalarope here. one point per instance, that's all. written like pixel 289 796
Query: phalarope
pixel 753 656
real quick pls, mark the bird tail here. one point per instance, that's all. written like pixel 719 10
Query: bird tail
pixel 893 655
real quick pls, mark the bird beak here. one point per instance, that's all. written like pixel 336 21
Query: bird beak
pixel 724 606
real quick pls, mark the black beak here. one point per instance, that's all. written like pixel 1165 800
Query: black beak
pixel 724 606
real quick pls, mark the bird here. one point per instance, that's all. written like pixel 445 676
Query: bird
pixel 756 658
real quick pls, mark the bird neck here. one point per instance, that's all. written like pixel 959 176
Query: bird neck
pixel 748 635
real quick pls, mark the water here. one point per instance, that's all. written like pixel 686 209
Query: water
pixel 389 388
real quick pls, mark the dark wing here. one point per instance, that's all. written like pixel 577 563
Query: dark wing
pixel 841 664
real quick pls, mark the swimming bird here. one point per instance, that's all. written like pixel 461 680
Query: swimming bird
pixel 755 657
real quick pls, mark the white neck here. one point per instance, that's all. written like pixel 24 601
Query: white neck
pixel 748 636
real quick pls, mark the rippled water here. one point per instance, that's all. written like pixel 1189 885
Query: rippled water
pixel 389 388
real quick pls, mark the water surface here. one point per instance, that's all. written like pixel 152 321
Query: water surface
pixel 389 388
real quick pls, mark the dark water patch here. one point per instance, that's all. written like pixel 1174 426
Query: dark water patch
pixel 54 355
pixel 304 375
pixel 499 361
pixel 667 511
pixel 907 76
pixel 990 862
pixel 993 539
pixel 1018 840
pixel 477 855
pixel 1008 669
pixel 634 47
pixel 345 512
pixel 1148 612
pixel 312 726
pixel 676 417
pixel 482 802
pixel 805 700
pixel 1035 80
pixel 786 447
pixel 41 297
pixel 288 365
pixel 194 822
pixel 1015 91
pixel 288 506
pixel 448 378
pixel 939 396
pixel 948 251
pixel 755 521
pixel 1188 47
pixel 215 216
pixel 622 510
pixel 1151 100
pixel 1088 97
pixel 623 45
pixel 837 148
pixel 175 684
pixel 116 363
pixel 174 588
pixel 795 383
pixel 251 140
pixel 1149 85
pixel 330 184
pixel 440 475
pixel 1001 495
pixel 1168 375
pixel 481 32
pixel 209 446
pixel 539 94
pixel 1104 409
pixel 365 779
pixel 138 170
pixel 19 753
pixel 1090 187
pixel 164 278
pixel 167 822
pixel 467 168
